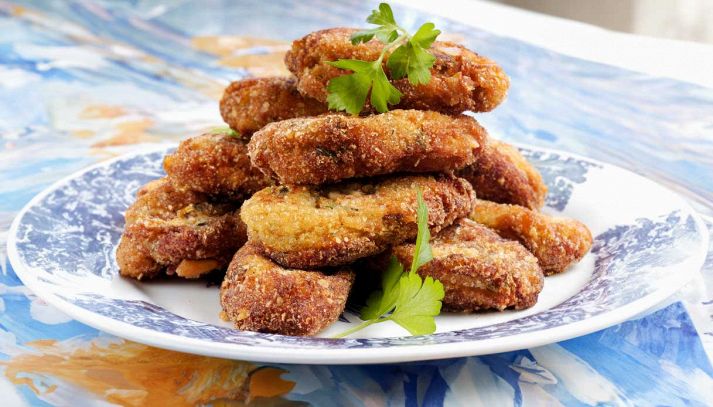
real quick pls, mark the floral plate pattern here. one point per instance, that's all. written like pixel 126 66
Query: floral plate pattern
pixel 648 243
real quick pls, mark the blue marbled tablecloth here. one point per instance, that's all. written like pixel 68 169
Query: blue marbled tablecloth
pixel 83 81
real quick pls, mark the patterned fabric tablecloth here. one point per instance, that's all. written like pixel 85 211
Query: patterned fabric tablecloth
pixel 85 81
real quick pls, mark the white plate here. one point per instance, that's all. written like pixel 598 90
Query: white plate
pixel 648 243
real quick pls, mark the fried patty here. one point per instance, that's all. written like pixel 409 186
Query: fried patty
pixel 501 174
pixel 177 231
pixel 479 270
pixel 334 147
pixel 556 242
pixel 249 104
pixel 260 295
pixel 215 164
pixel 460 79
pixel 331 225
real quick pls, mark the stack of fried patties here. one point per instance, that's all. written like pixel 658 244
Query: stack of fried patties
pixel 342 195
pixel 188 223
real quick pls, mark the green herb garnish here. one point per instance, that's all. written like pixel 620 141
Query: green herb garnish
pixel 410 58
pixel 227 131
pixel 406 298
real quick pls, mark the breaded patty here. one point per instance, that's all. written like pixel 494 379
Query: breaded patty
pixel 249 104
pixel 479 270
pixel 329 148
pixel 331 225
pixel 460 79
pixel 502 174
pixel 556 242
pixel 215 164
pixel 177 231
pixel 260 295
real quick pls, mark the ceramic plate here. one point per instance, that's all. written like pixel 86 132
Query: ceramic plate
pixel 648 243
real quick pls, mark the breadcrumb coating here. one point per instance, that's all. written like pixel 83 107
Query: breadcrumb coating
pixel 260 295
pixel 249 104
pixel 334 147
pixel 331 225
pixel 557 243
pixel 215 164
pixel 501 174
pixel 479 270
pixel 460 79
pixel 167 225
pixel 134 260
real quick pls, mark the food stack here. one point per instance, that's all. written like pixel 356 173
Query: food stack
pixel 296 200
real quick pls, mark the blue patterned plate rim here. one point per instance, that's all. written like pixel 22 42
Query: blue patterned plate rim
pixel 271 348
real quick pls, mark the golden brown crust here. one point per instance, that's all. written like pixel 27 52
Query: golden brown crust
pixel 501 174
pixel 215 164
pixel 460 79
pixel 167 225
pixel 259 295
pixel 556 242
pixel 250 104
pixel 306 226
pixel 334 147
pixel 134 261
pixel 479 270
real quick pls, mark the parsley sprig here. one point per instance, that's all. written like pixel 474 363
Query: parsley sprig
pixel 406 298
pixel 410 58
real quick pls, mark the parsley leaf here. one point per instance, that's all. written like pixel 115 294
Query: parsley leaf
pixel 418 303
pixel 422 252
pixel 412 58
pixel 387 31
pixel 381 302
pixel 409 57
pixel 382 16
pixel 425 36
pixel 348 92
pixel 224 131
pixel 411 301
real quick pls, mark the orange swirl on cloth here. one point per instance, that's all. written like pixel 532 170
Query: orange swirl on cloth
pixel 132 374
pixel 240 52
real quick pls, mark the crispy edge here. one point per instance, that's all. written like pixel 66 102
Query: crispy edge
pixel 501 174
pixel 166 226
pixel 134 261
pixel 160 199
pixel 558 243
pixel 260 295
pixel 460 79
pixel 334 147
pixel 216 237
pixel 479 270
pixel 249 104
pixel 215 164
pixel 298 227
